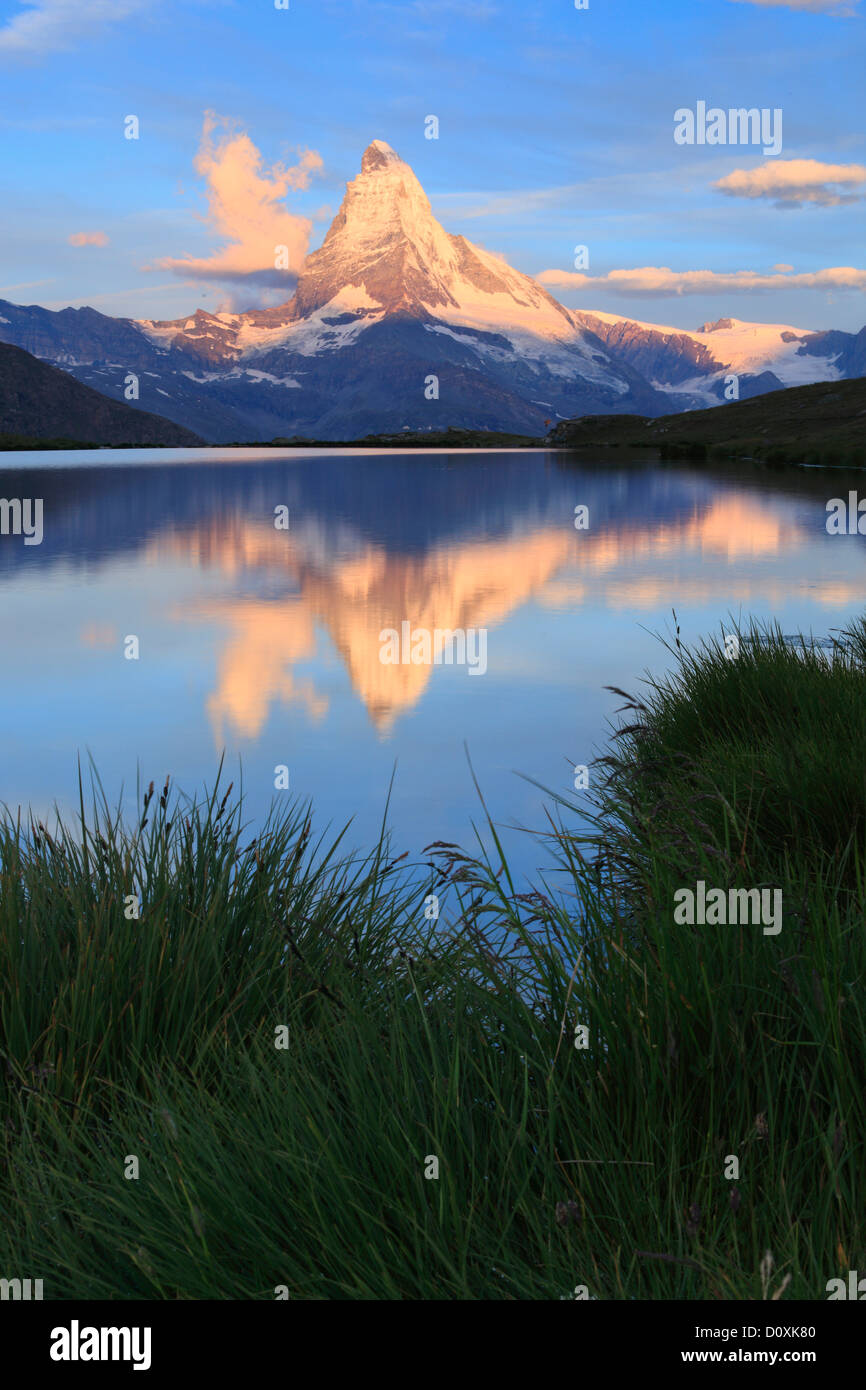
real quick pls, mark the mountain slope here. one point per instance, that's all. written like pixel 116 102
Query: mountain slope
pixel 38 401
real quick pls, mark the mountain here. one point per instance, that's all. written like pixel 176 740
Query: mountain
pixel 38 401
pixel 691 367
pixel 396 324
pixel 390 300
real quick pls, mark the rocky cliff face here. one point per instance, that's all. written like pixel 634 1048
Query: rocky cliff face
pixel 668 356
pixel 692 368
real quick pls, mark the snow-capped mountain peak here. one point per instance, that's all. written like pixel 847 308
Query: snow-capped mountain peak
pixel 386 241
pixel 386 255
pixel 397 323
pixel 695 363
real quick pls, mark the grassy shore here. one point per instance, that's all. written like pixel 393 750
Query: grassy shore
pixel 408 1039
pixel 818 425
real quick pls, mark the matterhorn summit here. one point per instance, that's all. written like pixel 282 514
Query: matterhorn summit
pixel 386 242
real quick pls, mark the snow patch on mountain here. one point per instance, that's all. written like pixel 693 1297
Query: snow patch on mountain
pixel 336 324
pixel 242 374
pixel 745 349
pixel 704 389
pixel 287 381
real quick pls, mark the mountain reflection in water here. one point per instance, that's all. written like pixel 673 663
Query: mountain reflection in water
pixel 267 643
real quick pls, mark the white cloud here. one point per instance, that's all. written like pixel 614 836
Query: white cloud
pixel 88 239
pixel 660 280
pixel 24 285
pixel 506 204
pixel 112 294
pixel 50 25
pixel 245 208
pixel 793 182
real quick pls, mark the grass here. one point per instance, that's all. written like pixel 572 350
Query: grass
pixel 303 1167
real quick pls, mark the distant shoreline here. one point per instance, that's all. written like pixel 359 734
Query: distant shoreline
pixel 819 425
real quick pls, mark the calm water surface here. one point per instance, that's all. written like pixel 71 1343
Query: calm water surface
pixel 265 644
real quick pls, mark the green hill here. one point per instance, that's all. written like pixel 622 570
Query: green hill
pixel 824 423
pixel 44 407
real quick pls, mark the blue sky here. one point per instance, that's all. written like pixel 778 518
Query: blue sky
pixel 555 130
